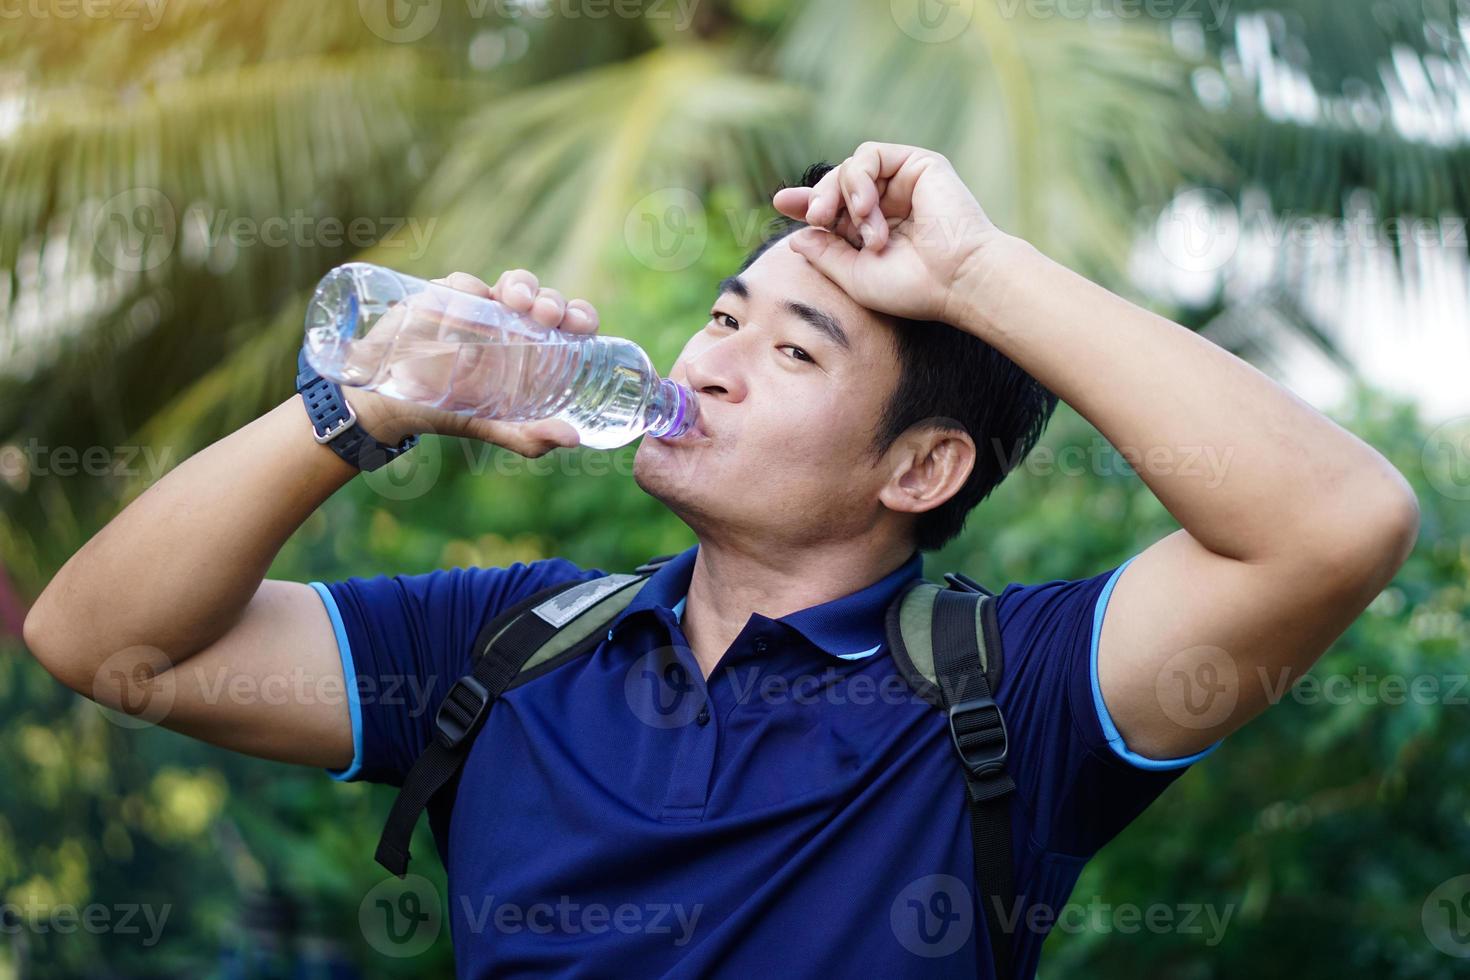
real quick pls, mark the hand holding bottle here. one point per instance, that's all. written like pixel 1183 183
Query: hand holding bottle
pixel 522 367
pixel 391 419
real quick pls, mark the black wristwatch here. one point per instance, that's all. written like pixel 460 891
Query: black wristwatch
pixel 335 423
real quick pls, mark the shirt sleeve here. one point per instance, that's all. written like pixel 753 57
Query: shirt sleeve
pixel 405 639
pixel 1072 768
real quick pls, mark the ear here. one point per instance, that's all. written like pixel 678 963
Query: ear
pixel 928 466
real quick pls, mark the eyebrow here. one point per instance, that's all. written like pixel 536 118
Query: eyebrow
pixel 822 321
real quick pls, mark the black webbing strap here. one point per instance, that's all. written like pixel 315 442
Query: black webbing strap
pixel 460 716
pixel 979 735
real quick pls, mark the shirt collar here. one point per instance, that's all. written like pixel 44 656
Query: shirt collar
pixel 850 627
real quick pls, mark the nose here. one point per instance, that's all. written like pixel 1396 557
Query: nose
pixel 717 370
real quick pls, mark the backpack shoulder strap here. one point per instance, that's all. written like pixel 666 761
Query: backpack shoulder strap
pixel 535 635
pixel 911 634
pixel 946 643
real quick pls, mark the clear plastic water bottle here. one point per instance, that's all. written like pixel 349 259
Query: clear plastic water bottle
pixel 373 328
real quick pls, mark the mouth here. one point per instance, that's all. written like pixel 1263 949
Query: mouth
pixel 695 436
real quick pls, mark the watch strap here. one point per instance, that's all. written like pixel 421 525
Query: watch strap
pixel 334 423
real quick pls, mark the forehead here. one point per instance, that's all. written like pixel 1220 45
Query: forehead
pixel 781 276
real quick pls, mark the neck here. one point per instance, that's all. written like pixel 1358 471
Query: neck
pixel 728 584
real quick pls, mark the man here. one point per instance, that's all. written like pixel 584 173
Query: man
pixel 862 384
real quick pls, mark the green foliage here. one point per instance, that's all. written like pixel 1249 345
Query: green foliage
pixel 1322 826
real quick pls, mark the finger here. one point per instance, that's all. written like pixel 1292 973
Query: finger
pixel 437 311
pixel 558 432
pixel 826 200
pixel 892 169
pixel 830 254
pixel 517 288
pixel 900 167
pixel 529 439
pixel 549 308
pixel 860 195
pixel 792 201
pixel 849 229
pixel 466 283
pixel 581 317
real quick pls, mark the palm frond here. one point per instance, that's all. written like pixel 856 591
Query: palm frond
pixel 1311 169
pixel 105 199
pixel 549 176
pixel 1315 106
pixel 1063 131
pixel 1338 47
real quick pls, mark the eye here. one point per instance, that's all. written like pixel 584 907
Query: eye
pixel 719 318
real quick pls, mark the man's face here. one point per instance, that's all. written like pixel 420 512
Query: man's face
pixel 788 409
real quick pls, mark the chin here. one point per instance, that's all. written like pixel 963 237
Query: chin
pixel 670 480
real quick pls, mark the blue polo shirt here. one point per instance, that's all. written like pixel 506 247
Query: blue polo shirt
pixel 799 814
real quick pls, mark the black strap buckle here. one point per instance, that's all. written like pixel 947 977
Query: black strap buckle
pixel 963 583
pixel 981 722
pixel 654 564
pixel 462 711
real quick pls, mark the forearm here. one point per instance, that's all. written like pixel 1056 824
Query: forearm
pixel 1250 470
pixel 178 566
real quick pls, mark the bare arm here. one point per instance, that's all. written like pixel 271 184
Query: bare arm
pixel 166 613
pixel 1289 523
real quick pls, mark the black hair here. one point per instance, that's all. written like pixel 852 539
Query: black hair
pixel 954 380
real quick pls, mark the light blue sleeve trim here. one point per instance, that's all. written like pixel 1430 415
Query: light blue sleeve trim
pixel 1110 730
pixel 349 676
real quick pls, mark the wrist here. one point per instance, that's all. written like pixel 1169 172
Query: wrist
pixel 336 422
pixel 986 281
pixel 375 419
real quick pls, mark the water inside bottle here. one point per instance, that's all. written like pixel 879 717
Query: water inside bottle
pixel 421 351
pixel 601 389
